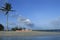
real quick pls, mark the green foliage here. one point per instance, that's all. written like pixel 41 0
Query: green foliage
pixel 13 29
pixel 1 27
pixel 16 28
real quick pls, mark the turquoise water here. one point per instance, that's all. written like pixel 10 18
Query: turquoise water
pixel 31 38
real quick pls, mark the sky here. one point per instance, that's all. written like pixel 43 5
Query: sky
pixel 44 14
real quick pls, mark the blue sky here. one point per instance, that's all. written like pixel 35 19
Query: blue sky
pixel 39 12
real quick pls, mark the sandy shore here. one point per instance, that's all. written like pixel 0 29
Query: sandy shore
pixel 31 33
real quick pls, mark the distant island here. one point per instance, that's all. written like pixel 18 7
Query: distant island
pixel 49 30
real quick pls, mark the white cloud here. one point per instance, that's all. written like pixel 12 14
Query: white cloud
pixel 25 21
pixel 55 24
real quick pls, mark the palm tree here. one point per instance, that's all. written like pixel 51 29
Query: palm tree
pixel 6 9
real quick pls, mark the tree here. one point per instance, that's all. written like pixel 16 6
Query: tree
pixel 16 28
pixel 13 29
pixel 1 27
pixel 6 9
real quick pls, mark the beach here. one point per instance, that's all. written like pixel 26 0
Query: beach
pixel 30 33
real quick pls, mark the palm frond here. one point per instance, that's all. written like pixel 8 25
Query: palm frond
pixel 8 6
pixel 12 10
pixel 6 13
pixel 2 9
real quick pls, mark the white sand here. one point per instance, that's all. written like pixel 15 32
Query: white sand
pixel 30 33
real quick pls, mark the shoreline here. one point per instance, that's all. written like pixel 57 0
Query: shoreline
pixel 25 34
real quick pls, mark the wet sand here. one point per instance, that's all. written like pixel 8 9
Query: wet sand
pixel 30 33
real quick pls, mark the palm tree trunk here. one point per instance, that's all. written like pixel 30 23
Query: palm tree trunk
pixel 7 21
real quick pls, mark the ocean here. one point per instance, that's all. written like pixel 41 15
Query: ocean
pixel 30 38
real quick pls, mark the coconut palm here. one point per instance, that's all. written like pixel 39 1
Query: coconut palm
pixel 7 9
